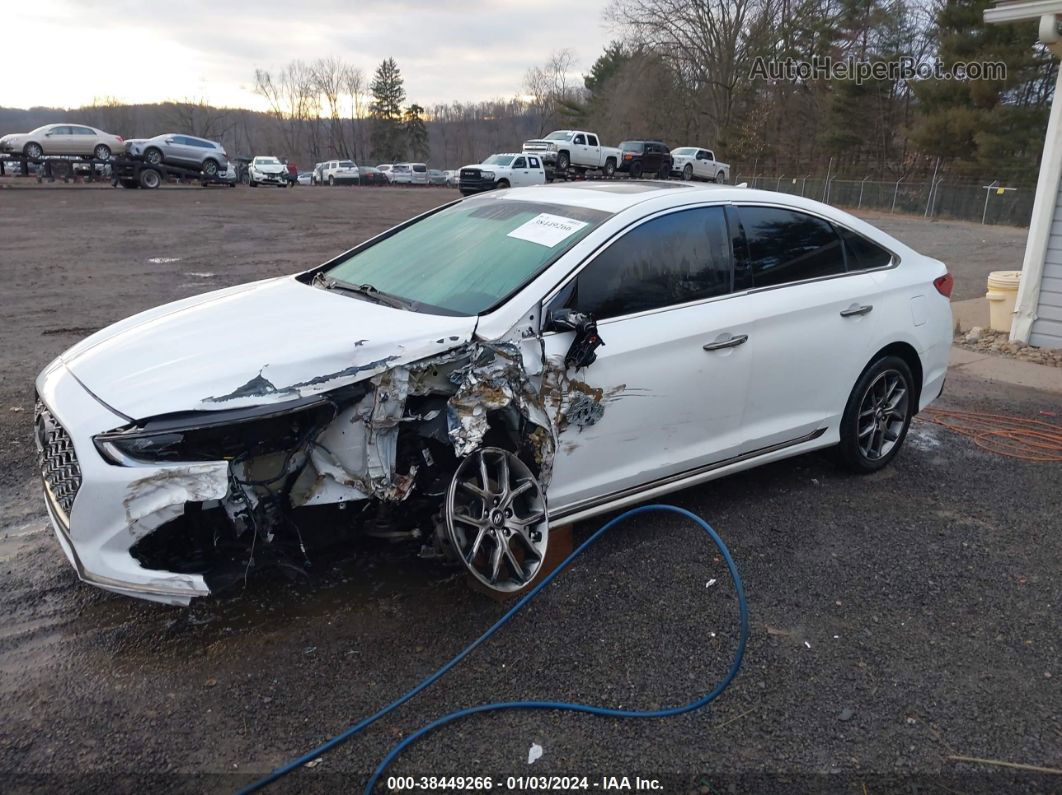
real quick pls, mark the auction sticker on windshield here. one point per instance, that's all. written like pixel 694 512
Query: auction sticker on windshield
pixel 547 229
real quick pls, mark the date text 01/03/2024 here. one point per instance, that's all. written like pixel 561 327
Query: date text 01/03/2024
pixel 524 783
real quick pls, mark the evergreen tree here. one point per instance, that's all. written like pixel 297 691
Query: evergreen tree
pixel 385 111
pixel 416 134
pixel 986 128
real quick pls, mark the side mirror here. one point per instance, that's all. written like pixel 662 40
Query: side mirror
pixel 582 352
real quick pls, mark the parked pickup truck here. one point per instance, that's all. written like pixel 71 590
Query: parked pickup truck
pixel 692 162
pixel 510 170
pixel 576 149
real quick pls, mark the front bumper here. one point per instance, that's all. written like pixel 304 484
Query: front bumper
pixel 549 158
pixel 115 506
pixel 269 179
pixel 476 185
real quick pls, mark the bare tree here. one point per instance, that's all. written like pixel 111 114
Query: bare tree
pixel 550 87
pixel 328 77
pixel 355 86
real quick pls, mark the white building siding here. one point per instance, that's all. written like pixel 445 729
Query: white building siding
pixel 1047 327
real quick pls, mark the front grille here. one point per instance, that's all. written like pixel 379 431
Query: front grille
pixel 56 458
pixel 470 173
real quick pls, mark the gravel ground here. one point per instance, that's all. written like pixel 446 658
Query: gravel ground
pixel 896 620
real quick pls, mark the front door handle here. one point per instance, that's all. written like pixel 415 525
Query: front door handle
pixel 731 342
pixel 854 310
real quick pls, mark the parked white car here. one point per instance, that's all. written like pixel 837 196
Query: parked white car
pixel 453 177
pixel 63 139
pixel 692 162
pixel 267 170
pixel 176 442
pixel 575 149
pixel 418 174
pixel 509 170
pixel 338 172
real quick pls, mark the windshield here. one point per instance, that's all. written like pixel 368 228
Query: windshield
pixel 266 161
pixel 498 160
pixel 560 135
pixel 470 256
pixel 685 151
pixel 632 146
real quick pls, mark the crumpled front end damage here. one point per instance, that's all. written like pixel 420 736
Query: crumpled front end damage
pixel 373 458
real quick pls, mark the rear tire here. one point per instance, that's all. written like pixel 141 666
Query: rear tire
pixel 150 178
pixel 877 416
pixel 720 178
pixel 331 181
pixel 102 152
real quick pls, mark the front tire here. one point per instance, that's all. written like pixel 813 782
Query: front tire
pixel 877 416
pixel 636 170
pixel 501 184
pixel 687 172
pixel 610 167
pixel 33 151
pixel 563 162
pixel 153 156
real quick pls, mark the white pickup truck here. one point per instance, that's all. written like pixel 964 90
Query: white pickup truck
pixel 578 149
pixel 692 162
pixel 509 170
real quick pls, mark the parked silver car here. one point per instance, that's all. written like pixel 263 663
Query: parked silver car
pixel 63 139
pixel 174 149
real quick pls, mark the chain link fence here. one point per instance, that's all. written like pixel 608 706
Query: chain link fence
pixel 991 203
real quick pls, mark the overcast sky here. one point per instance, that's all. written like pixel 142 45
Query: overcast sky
pixel 68 52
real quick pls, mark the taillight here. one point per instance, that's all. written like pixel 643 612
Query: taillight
pixel 121 140
pixel 944 284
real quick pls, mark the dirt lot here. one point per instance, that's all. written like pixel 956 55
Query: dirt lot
pixel 897 619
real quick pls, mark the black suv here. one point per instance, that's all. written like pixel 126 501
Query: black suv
pixel 651 158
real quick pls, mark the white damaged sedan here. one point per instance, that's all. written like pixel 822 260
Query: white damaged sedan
pixel 458 383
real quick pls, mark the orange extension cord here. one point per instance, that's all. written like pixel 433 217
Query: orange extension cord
pixel 1029 440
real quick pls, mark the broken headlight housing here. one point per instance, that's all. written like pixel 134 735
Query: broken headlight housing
pixel 216 435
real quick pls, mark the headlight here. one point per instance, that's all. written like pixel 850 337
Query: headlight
pixel 551 147
pixel 216 435
pixel 487 174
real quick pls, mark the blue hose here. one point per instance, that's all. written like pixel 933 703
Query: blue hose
pixel 295 764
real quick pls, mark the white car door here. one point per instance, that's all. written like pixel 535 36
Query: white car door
pixel 521 174
pixel 536 174
pixel 656 402
pixel 703 164
pixel 593 151
pixel 813 325
pixel 579 150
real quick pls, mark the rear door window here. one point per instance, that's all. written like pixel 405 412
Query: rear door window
pixel 676 258
pixel 860 253
pixel 787 246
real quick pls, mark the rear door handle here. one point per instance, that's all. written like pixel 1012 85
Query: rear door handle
pixel 731 342
pixel 854 310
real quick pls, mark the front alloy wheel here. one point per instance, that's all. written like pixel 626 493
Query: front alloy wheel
pixel 496 519
pixel 687 172
pixel 877 416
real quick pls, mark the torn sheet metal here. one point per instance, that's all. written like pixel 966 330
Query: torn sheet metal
pixel 160 497
pixel 494 379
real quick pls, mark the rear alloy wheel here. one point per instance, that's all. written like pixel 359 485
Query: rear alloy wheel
pixel 877 416
pixel 102 152
pixel 720 178
pixel 33 151
pixel 687 172
pixel 331 181
pixel 496 519
pixel 610 168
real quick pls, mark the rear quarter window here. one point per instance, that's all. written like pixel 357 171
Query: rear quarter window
pixel 862 254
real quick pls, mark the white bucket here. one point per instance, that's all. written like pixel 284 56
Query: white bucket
pixel 1001 295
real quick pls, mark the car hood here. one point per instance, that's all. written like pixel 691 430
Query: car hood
pixel 270 169
pixel 257 343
